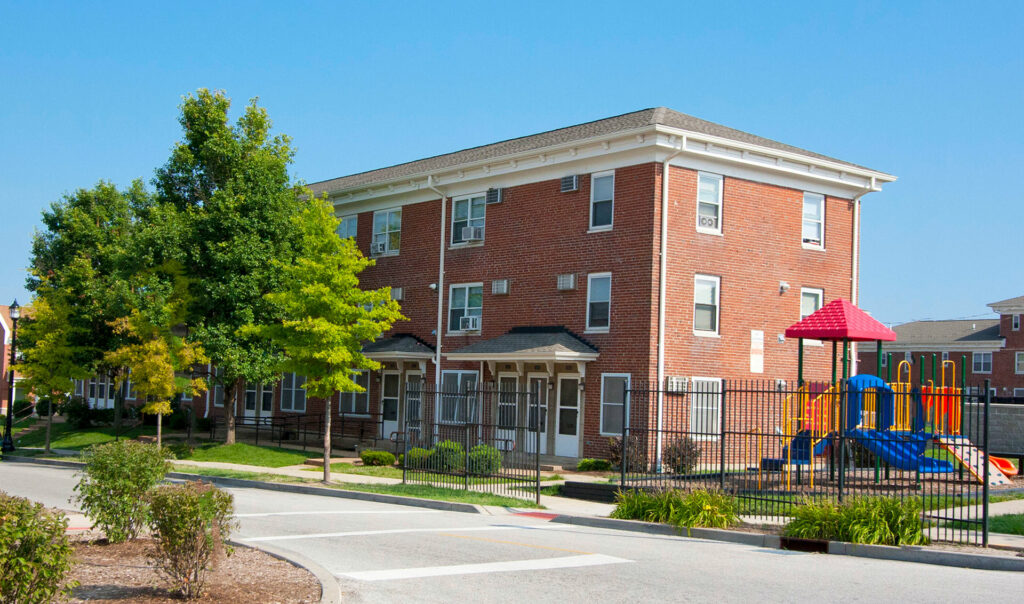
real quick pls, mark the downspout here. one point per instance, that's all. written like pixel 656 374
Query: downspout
pixel 662 270
pixel 440 283
pixel 855 269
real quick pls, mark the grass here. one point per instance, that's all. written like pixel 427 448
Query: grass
pixel 347 468
pixel 63 436
pixel 1010 524
pixel 250 455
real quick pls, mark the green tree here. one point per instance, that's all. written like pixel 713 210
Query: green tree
pixel 235 203
pixel 325 317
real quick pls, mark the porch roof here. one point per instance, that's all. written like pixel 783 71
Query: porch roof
pixel 544 343
pixel 399 346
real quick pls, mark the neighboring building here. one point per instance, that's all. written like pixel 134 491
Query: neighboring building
pixel 6 332
pixel 993 350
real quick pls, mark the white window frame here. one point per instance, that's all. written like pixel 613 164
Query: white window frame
pixel 291 393
pixel 720 180
pixel 343 228
pixel 602 404
pixel 695 393
pixel 808 196
pixel 454 329
pixel 978 356
pixel 442 407
pixel 79 387
pixel 590 281
pixel 944 356
pixel 1018 363
pixel 1018 393
pixel 610 225
pixel 820 293
pixel 718 306
pixel 1015 322
pixel 387 231
pixel 357 375
pixel 469 199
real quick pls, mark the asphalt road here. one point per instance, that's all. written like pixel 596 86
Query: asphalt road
pixel 389 553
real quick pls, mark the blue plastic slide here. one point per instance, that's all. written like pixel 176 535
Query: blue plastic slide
pixel 801 445
pixel 899 452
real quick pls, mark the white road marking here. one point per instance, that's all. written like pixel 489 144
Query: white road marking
pixel 485 567
pixel 315 512
pixel 384 532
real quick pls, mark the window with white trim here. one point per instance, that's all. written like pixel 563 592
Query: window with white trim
pixel 1015 323
pixel 1018 364
pixel 356 403
pixel 709 203
pixel 464 300
pixel 602 200
pixel 348 226
pixel 79 387
pixel 387 232
pixel 945 355
pixel 813 231
pixel 982 362
pixel 706 311
pixel 810 301
pixel 458 396
pixel 293 393
pixel 599 301
pixel 614 402
pixel 469 211
pixel 705 408
pixel 885 359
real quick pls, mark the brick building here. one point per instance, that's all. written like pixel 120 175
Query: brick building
pixel 5 355
pixel 993 348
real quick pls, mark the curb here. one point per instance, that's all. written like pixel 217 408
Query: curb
pixel 904 553
pixel 445 506
pixel 330 591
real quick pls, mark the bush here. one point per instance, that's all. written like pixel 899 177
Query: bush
pixel 180 450
pixel 114 480
pixel 418 458
pixel 702 508
pixel 870 520
pixel 77 412
pixel 203 424
pixel 593 465
pixel 681 455
pixel 36 554
pixel 484 460
pixel 191 523
pixel 377 458
pixel 447 456
pixel 636 457
pixel 22 408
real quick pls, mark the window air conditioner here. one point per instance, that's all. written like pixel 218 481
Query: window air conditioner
pixel 379 247
pixel 469 324
pixel 472 233
pixel 567 281
pixel 570 183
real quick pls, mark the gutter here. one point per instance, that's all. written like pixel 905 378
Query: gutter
pixel 440 283
pixel 662 270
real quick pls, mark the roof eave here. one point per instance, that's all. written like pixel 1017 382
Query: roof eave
pixel 555 356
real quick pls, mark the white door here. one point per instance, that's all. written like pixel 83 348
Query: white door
pixel 537 403
pixel 412 415
pixel 249 409
pixel 567 431
pixel 390 386
pixel 508 412
pixel 259 401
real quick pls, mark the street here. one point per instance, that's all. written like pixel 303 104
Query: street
pixel 384 553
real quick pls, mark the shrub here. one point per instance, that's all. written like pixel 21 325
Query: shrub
pixel 870 520
pixel 36 554
pixel 77 412
pixel 191 523
pixel 484 460
pixel 816 520
pixel 377 458
pixel 418 458
pixel 593 465
pixel 636 458
pixel 447 456
pixel 22 408
pixel 179 450
pixel 114 480
pixel 702 508
pixel 681 455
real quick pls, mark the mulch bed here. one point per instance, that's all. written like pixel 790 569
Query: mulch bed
pixel 123 573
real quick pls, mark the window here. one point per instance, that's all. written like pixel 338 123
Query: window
pixel 467 212
pixel 218 388
pixel 602 200
pixel 293 393
pixel 92 388
pixel 458 396
pixel 79 387
pixel 945 356
pixel 810 301
pixel 387 232
pixel 466 300
pixel 709 203
pixel 982 362
pixel 705 305
pixel 1015 323
pixel 599 301
pixel 1019 362
pixel 614 402
pixel 356 403
pixel 348 226
pixel 1018 393
pixel 814 220
pixel 885 359
pixel 706 408
pixel 186 395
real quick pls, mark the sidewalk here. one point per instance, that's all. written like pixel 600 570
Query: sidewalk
pixel 297 471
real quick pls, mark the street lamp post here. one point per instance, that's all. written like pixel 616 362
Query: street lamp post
pixel 8 445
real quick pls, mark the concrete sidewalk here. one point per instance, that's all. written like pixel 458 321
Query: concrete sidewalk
pixel 297 471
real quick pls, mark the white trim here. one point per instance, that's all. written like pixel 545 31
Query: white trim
pixel 305 398
pixel 387 231
pixel 991 359
pixel 341 221
pixel 451 288
pixel 823 206
pixel 468 197
pixel 6 328
pixel 693 399
pixel 987 346
pixel 398 356
pixel 821 302
pixel 600 402
pixel 1018 365
pixel 718 305
pixel 439 415
pixel 556 356
pixel 720 203
pixel 590 279
pixel 591 228
pixel 1015 322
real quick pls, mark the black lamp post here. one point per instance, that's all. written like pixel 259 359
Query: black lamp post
pixel 8 445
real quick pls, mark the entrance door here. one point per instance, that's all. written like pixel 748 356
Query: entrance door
pixel 249 403
pixel 259 401
pixel 567 433
pixel 390 386
pixel 508 401
pixel 537 403
pixel 413 413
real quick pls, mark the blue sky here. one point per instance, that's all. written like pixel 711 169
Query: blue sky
pixel 927 91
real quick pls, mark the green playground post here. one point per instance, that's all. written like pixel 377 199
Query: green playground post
pixel 878 358
pixel 888 368
pixel 834 345
pixel 933 368
pixel 800 363
pixel 846 359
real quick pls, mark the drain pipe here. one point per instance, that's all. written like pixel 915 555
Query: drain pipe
pixel 855 268
pixel 662 270
pixel 440 284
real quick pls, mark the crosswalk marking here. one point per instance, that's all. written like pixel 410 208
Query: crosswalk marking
pixel 447 529
pixel 484 567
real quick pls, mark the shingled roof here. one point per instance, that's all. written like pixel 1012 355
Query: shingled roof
pixel 621 123
pixel 947 333
pixel 541 343
pixel 840 320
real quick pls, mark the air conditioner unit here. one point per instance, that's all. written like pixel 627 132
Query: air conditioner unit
pixel 567 281
pixel 472 233
pixel 494 195
pixel 499 287
pixel 379 247
pixel 677 383
pixel 469 324
pixel 397 293
pixel 570 183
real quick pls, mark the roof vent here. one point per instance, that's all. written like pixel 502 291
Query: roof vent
pixel 494 195
pixel 570 183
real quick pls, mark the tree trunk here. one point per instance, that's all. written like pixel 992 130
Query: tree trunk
pixel 118 406
pixel 229 413
pixel 159 429
pixel 327 441
pixel 49 423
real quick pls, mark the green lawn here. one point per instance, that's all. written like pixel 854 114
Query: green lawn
pixel 1011 524
pixel 250 455
pixel 347 468
pixel 63 436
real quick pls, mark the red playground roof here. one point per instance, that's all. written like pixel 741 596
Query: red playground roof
pixel 840 320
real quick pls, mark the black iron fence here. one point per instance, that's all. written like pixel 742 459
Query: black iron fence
pixel 775 446
pixel 307 431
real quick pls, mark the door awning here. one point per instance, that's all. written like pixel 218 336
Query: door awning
pixel 399 347
pixel 537 343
